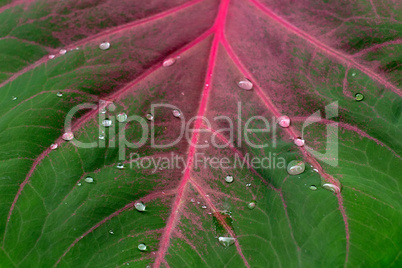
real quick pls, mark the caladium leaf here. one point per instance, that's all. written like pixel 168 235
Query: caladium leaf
pixel 179 152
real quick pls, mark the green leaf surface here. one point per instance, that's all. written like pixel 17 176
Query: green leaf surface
pixel 302 58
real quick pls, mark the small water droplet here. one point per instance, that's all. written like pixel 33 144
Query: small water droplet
pixel 142 247
pixel 68 136
pixel 251 205
pixel 121 117
pixel 299 142
pixel 168 62
pixel 204 206
pixel 296 167
pixel 54 146
pixel 51 56
pixel 107 123
pixel 229 179
pixel 331 187
pixel 62 51
pixel 315 170
pixel 101 136
pixel 353 74
pixel 359 97
pixel 248 184
pixel 13 98
pixel 89 180
pixel 120 166
pixel 104 46
pixel 226 241
pixel 313 187
pixel 245 84
pixel 176 113
pixel 284 121
pixel 79 184
pixel 192 200
pixel 139 206
pixel 59 94
pixel 111 232
pixel 150 117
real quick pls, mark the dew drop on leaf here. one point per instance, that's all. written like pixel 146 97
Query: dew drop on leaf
pixel 192 200
pixel 284 121
pixel 331 187
pixel 245 84
pixel 248 184
pixel 313 187
pixel 121 117
pixel 62 51
pixel 142 247
pixel 251 205
pixel 107 123
pixel 204 206
pixel 53 146
pixel 104 46
pixel 79 184
pixel 223 225
pixel 299 142
pixel 89 180
pixel 111 232
pixel 139 206
pixel 150 117
pixel 229 178
pixel 176 113
pixel 51 56
pixel 359 97
pixel 226 241
pixel 168 62
pixel 59 94
pixel 14 98
pixel 68 136
pixel 120 166
pixel 101 136
pixel 296 167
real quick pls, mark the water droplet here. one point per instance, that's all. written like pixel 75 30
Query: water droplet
pixel 107 123
pixel 111 232
pixel 226 241
pixel 120 166
pixel 104 46
pixel 54 146
pixel 248 184
pixel 59 94
pixel 229 179
pixel 204 206
pixel 353 74
pixel 121 117
pixel 244 83
pixel 296 167
pixel 192 200
pixel 150 117
pixel 168 62
pixel 313 187
pixel 331 187
pixel 139 206
pixel 79 184
pixel 176 113
pixel 89 180
pixel 142 247
pixel 299 142
pixel 68 136
pixel 13 98
pixel 359 97
pixel 251 205
pixel 51 57
pixel 284 121
pixel 62 51
pixel 101 136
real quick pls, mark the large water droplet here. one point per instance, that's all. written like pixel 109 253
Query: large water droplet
pixel 176 113
pixel 59 94
pixel 168 62
pixel 89 180
pixel 54 146
pixel 296 167
pixel 299 142
pixel 226 241
pixel 359 97
pixel 244 83
pixel 284 121
pixel 139 206
pixel 229 179
pixel 104 46
pixel 68 136
pixel 142 247
pixel 150 117
pixel 121 117
pixel 251 205
pixel 223 224
pixel 107 123
pixel 331 187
